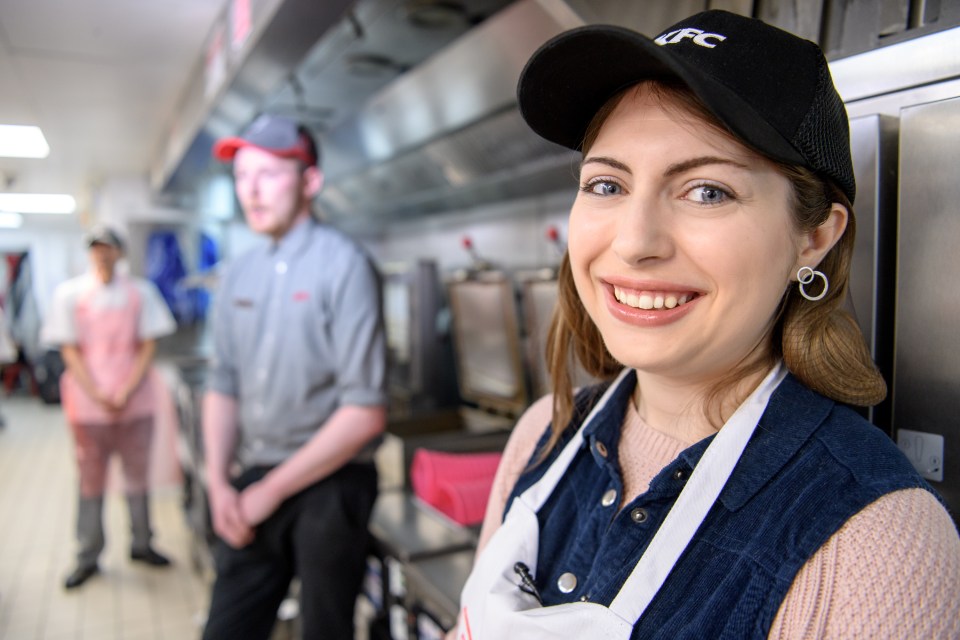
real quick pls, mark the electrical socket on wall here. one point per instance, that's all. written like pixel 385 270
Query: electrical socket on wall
pixel 925 451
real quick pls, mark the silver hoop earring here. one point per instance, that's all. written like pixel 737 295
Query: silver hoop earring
pixel 806 275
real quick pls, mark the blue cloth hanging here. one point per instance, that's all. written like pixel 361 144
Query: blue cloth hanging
pixel 165 268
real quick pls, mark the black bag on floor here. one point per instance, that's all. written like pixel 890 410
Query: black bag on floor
pixel 47 371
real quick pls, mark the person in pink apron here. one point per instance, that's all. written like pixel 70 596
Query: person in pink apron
pixel 106 325
pixel 716 485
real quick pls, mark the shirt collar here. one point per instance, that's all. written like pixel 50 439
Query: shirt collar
pixel 294 240
pixel 94 281
pixel 792 415
pixel 607 423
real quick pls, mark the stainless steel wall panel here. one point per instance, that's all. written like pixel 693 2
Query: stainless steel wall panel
pixel 743 7
pixel 925 12
pixel 949 12
pixel 923 67
pixel 801 17
pixel 892 16
pixel 854 26
pixel 873 271
pixel 927 347
pixel 649 18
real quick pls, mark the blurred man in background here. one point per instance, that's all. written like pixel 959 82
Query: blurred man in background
pixel 295 401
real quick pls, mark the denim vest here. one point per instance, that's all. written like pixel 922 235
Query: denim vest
pixel 809 467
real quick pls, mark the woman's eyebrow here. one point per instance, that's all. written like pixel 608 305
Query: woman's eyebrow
pixel 672 170
pixel 694 163
pixel 610 162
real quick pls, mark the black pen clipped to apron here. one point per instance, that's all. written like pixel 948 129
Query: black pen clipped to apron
pixel 526 581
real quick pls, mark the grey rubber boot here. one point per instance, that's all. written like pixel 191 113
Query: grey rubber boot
pixel 90 531
pixel 139 522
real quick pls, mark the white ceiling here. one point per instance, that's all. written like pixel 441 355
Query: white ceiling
pixel 102 78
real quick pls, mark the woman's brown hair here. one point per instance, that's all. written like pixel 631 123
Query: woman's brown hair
pixel 820 342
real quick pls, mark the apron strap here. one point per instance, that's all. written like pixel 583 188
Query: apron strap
pixel 695 501
pixel 536 495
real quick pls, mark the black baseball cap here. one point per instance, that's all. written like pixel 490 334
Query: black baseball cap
pixel 102 234
pixel 772 89
pixel 279 135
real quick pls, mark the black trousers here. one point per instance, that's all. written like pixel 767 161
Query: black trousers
pixel 319 535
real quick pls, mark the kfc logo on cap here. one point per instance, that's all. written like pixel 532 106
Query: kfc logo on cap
pixel 698 36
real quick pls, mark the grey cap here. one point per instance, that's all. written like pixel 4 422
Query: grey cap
pixel 279 135
pixel 102 234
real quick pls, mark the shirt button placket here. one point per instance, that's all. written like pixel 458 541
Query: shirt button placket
pixel 273 317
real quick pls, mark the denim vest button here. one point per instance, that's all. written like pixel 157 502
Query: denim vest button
pixel 609 497
pixel 679 474
pixel 602 449
pixel 567 582
pixel 638 515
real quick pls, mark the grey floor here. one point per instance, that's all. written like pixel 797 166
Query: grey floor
pixel 38 489
pixel 37 511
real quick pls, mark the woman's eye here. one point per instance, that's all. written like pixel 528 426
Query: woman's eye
pixel 708 194
pixel 602 188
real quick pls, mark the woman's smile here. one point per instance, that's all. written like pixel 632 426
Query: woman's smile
pixel 648 303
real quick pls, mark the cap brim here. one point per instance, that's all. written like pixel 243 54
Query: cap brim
pixel 572 76
pixel 226 148
pixel 107 242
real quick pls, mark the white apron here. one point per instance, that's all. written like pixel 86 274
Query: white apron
pixel 493 607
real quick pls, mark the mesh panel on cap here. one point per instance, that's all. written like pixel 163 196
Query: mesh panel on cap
pixel 824 136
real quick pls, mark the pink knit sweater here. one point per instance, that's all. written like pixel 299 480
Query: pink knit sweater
pixel 892 571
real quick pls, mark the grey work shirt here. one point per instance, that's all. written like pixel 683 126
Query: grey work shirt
pixel 298 333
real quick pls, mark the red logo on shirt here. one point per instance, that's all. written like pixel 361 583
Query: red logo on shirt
pixel 299 296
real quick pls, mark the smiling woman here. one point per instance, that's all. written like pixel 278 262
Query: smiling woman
pixel 715 485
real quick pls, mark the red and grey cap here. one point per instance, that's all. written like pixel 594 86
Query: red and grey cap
pixel 772 89
pixel 279 135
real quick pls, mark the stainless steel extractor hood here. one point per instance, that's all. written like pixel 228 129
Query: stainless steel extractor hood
pixel 447 134
pixel 414 101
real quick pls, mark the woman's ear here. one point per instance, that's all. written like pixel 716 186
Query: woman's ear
pixel 817 243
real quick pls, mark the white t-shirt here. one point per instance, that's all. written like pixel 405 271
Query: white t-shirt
pixel 59 328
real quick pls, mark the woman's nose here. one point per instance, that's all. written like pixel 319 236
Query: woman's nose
pixel 642 232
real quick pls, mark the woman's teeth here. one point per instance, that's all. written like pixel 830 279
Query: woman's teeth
pixel 651 299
